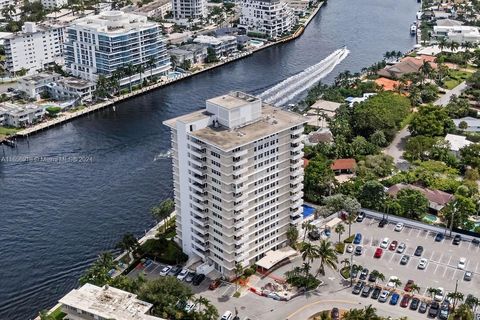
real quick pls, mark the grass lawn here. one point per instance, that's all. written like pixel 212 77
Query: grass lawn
pixel 4 131
pixel 455 77
pixel 163 250
pixel 57 314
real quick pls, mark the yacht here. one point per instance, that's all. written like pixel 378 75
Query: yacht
pixel 413 29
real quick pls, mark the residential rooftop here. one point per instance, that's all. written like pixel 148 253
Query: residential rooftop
pixel 114 22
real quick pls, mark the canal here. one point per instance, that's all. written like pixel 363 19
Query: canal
pixel 95 178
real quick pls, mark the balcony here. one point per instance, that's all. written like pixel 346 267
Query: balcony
pixel 240 206
pixel 239 214
pixel 297 130
pixel 197 160
pixel 198 178
pixel 237 197
pixel 240 223
pixel 296 212
pixel 296 155
pixel 200 153
pixel 296 204
pixel 296 147
pixel 238 161
pixel 296 196
pixel 296 163
pixel 296 187
pixel 200 170
pixel 240 153
pixel 239 170
pixel 237 188
pixel 242 257
pixel 296 179
pixel 199 229
pixel 240 231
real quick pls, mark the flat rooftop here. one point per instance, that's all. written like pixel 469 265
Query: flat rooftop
pixel 233 100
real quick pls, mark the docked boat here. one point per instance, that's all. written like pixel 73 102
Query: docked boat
pixel 413 29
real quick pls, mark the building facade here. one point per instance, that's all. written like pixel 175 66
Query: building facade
pixel 188 11
pixel 34 47
pixel 270 18
pixel 33 86
pixel 222 45
pixel 101 44
pixel 20 115
pixel 51 4
pixel 238 179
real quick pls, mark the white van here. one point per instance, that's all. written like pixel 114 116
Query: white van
pixel 227 315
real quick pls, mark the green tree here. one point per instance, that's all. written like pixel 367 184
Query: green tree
pixel 163 211
pixel 328 256
pixel 319 179
pixel 128 243
pixel 461 209
pixel 375 166
pixel 97 274
pixel 53 111
pixel 207 310
pixel 431 121
pixel 378 275
pixel 456 296
pixel 307 227
pixel 339 229
pixel 474 80
pixel 396 282
pixel 292 236
pixel 309 251
pixel 211 56
pixel 413 203
pixel 378 138
pixel 45 315
pixel 463 312
pixel 372 195
pixel 458 107
pixel 471 155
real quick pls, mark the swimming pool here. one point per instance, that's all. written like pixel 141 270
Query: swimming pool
pixel 307 211
pixel 430 218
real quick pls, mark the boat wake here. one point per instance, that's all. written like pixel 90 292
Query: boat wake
pixel 163 155
pixel 293 86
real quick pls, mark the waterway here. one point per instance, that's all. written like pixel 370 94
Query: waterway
pixel 57 214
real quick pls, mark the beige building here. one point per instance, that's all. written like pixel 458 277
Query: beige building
pixel 238 179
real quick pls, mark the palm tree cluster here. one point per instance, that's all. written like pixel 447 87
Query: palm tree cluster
pixel 97 274
pixel 389 55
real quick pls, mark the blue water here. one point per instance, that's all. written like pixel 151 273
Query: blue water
pixel 308 211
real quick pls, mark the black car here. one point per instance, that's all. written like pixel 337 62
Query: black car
pixel 314 235
pixel 439 237
pixel 198 279
pixel 358 287
pixel 404 260
pixel 364 274
pixel 175 270
pixel 373 276
pixel 418 251
pixel 476 241
pixel 376 293
pixel 366 291
pixel 433 311
pixel 457 239
pixel 358 250
pixel 361 216
pixel 382 223
pixel 414 304
pixel 444 310
pixel 335 314
pixel 423 307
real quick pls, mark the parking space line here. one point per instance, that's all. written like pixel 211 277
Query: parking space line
pixel 454 273
pixel 448 263
pixel 440 258
pixel 391 258
pixel 410 231
pixel 444 272
pixel 426 234
pixel 435 271
pixel 476 267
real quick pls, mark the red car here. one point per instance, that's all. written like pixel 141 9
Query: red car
pixel 408 286
pixel 214 284
pixel 405 301
pixel 378 253
pixel 393 245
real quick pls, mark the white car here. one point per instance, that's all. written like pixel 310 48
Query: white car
pixel 384 243
pixel 165 271
pixel 399 227
pixel 401 247
pixel 391 280
pixel 350 248
pixel 228 315
pixel 439 296
pixel 461 263
pixel 422 264
pixel 190 306
pixel 182 274
pixel 383 296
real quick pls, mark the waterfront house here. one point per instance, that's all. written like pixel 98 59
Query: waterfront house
pixel 436 199
pixel 198 51
pixel 181 55
pixel 459 34
pixel 329 108
pixel 70 88
pixel 456 143
pixel 16 115
pixel 406 65
pixel 473 124
pixel 31 87
pixel 222 46
pixel 388 84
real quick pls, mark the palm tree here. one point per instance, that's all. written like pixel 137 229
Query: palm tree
pixel 44 315
pixel 327 255
pixel 433 291
pixel 340 229
pixel 456 297
pixel 150 64
pixel 472 302
pixel 309 251
pixel 206 308
pixel 163 212
pixel 453 45
pixel 426 69
pixel 463 312
pixel 345 262
pixel 349 220
pixel 140 69
pixel 129 70
pixel 396 282
pixel 442 44
pixel 370 313
pixel 105 260
pixel 354 268
pixel 292 236
pixel 128 243
pixel 307 226
pixel 378 275
pixel 414 287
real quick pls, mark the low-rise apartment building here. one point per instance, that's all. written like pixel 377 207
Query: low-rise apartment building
pixel 155 9
pixel 222 46
pixel 52 4
pixel 34 47
pixel 69 88
pixel 20 115
pixel 269 18
pixel 238 179
pixel 458 34
pixel 33 86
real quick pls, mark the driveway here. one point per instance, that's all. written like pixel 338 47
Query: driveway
pixel 445 99
pixel 397 147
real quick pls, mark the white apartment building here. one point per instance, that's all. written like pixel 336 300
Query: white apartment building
pixel 271 18
pixel 188 11
pixel 222 45
pixel 51 4
pixel 92 302
pixel 101 44
pixel 238 179
pixel 33 86
pixel 34 47
pixel 458 34
pixel 155 9
pixel 15 115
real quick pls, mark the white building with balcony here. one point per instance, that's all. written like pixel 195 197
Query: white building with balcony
pixel 269 18
pixel 189 11
pixel 34 47
pixel 16 115
pixel 459 34
pixel 101 44
pixel 222 45
pixel 238 179
pixel 52 4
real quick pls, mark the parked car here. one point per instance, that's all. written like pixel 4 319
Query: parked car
pixel 433 311
pixel 165 271
pixel 457 239
pixel 357 239
pixel 467 276
pixel 182 275
pixel 364 274
pixel 366 291
pixel 228 315
pixel 414 304
pixel 384 243
pixel 376 292
pixel 383 296
pixel 355 273
pixel 373 276
pixel 335 314
pixel 358 287
pixel 393 245
pixel 327 232
pixel 408 286
pixel 439 237
pixel 439 295
pixel 399 227
pixel 189 276
pixel 444 310
pixel 422 264
pixel 214 284
pixel 350 248
pixel 361 216
pixel 378 253
pixel 147 263
pixel 175 270
pixel 461 263
pixel 190 306
pixel 391 281
pixel 404 260
pixel 405 301
pixel 418 251
pixel 198 279
pixel 401 247
pixel 394 299
pixel 314 235
pixel 423 307
pixel 476 241
pixel 358 250
pixel 382 223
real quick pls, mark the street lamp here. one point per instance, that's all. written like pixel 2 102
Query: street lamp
pixel 453 214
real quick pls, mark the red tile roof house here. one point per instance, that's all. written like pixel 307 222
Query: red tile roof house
pixel 340 166
pixel 436 199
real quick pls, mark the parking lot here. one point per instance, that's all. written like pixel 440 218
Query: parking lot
pixel 443 257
